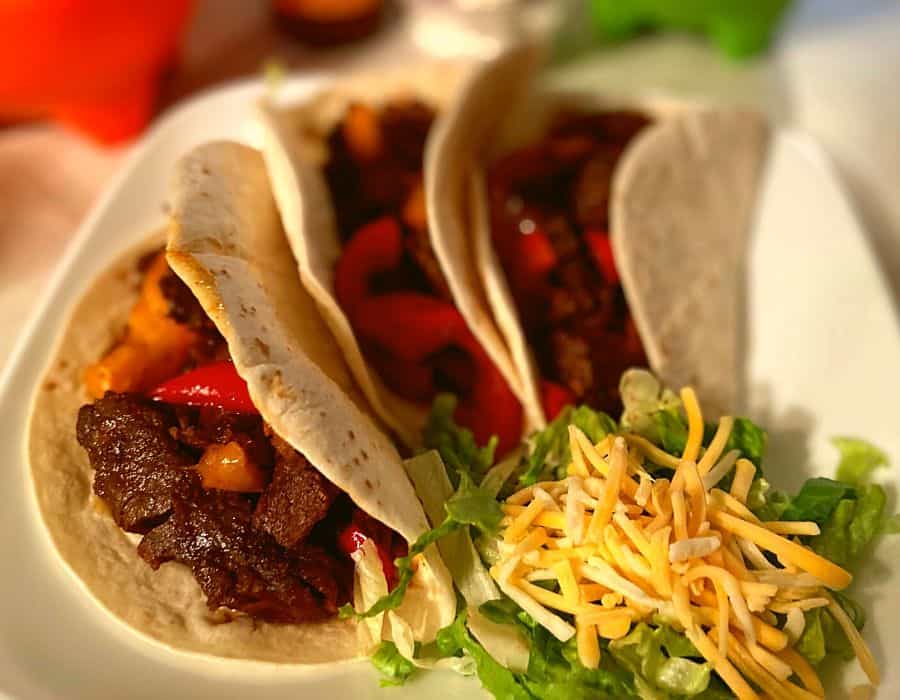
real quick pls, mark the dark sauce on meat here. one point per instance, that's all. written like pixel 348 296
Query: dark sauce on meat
pixel 257 553
pixel 272 555
pixel 573 310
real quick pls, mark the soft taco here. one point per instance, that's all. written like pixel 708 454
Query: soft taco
pixel 202 458
pixel 350 169
pixel 577 208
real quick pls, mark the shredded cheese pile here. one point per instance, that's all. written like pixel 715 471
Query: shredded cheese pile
pixel 623 546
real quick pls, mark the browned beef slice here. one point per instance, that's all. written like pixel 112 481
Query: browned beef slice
pixel 202 427
pixel 297 498
pixel 242 568
pixel 139 468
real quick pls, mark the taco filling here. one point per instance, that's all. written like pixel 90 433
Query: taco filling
pixel 182 457
pixel 549 214
pixel 388 281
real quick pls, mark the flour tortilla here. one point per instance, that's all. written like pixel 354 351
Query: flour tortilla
pixel 682 208
pixel 295 150
pixel 225 241
pixel 713 174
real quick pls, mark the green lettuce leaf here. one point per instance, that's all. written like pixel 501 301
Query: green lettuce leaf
pixel 672 672
pixel 853 524
pixel 473 505
pixel 817 500
pixel 672 430
pixel 812 642
pixel 456 445
pixel 858 460
pixel 765 502
pixel 891 526
pixel 394 668
pixel 455 640
pixel 554 672
pixel 642 397
pixel 823 636
pixel 469 505
pixel 550 447
pixel 746 436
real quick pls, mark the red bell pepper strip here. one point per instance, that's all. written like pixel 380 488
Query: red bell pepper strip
pixel 215 385
pixel 601 251
pixel 554 398
pixel 535 259
pixel 412 327
pixel 409 324
pixel 376 247
pixel 352 538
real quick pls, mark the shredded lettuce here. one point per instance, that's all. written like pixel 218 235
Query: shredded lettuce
pixel 394 668
pixel 456 445
pixel 550 447
pixel 469 505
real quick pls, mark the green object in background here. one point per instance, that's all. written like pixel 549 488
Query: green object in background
pixel 740 28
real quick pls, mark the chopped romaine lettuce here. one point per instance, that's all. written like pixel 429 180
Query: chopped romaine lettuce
pixel 642 397
pixel 812 642
pixel 765 502
pixel 858 460
pixel 641 652
pixel 472 505
pixel 554 671
pixel 822 636
pixel 817 500
pixel 394 668
pixel 456 445
pixel 504 642
pixel 550 447
pixel 853 523
pixel 469 505
pixel 672 430
pixel 891 526
pixel 502 683
pixel 746 437
pixel 498 476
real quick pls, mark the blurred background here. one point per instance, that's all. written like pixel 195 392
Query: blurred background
pixel 81 80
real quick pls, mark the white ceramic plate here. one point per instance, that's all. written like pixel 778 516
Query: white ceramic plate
pixel 824 352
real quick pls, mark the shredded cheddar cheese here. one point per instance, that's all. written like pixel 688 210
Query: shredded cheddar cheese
pixel 618 546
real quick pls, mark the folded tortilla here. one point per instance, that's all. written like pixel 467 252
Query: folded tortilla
pixel 681 209
pixel 226 242
pixel 295 150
